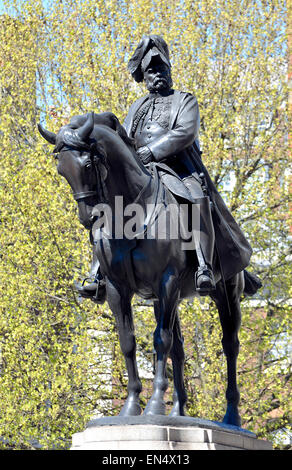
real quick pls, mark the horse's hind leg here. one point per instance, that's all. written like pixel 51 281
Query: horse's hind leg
pixel 120 303
pixel 178 358
pixel 230 318
pixel 165 311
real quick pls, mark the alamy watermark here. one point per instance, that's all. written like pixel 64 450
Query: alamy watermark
pixel 152 221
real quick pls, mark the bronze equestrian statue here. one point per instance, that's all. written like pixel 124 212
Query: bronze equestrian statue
pixel 165 126
pixel 154 160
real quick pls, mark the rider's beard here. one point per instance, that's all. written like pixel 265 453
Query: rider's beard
pixel 159 84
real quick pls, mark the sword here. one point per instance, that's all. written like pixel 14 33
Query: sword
pixel 213 211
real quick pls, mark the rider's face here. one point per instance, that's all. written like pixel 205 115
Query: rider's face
pixel 157 77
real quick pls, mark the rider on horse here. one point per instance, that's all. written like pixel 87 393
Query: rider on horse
pixel 165 125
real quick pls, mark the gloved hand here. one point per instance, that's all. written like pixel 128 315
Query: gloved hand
pixel 145 154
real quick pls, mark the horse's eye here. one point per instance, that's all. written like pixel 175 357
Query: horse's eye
pixel 87 165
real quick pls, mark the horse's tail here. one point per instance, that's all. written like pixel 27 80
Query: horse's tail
pixel 252 283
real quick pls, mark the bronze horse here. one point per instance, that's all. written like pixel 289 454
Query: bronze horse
pixel 100 164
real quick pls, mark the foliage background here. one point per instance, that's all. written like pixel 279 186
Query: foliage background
pixel 60 359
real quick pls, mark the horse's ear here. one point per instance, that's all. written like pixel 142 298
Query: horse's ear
pixel 85 130
pixel 48 135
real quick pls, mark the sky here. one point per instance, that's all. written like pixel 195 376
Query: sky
pixel 3 8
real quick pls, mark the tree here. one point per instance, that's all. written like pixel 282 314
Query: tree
pixel 64 58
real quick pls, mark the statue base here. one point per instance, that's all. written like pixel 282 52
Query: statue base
pixel 164 433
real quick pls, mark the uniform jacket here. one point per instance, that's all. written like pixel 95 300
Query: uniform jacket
pixel 178 147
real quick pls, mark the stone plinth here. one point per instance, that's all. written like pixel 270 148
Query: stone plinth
pixel 164 433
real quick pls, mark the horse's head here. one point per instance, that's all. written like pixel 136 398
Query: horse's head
pixel 81 161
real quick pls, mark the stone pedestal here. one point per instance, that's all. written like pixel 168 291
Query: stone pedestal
pixel 164 433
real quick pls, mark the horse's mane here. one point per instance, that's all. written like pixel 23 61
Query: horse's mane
pixel 111 120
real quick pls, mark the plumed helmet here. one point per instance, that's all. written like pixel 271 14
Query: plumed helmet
pixel 148 48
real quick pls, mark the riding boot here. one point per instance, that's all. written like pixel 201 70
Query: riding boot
pixel 204 242
pixel 96 289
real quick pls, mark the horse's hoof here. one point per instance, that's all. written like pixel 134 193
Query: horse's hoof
pixel 232 416
pixel 155 408
pixel 130 408
pixel 177 411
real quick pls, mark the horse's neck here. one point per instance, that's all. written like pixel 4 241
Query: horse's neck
pixel 127 175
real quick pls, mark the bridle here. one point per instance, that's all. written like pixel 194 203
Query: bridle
pixel 84 194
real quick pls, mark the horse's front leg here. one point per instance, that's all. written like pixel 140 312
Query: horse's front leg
pixel 165 311
pixel 119 300
pixel 177 355
pixel 230 318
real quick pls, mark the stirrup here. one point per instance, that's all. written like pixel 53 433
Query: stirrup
pixel 97 291
pixel 83 291
pixel 208 284
pixel 100 293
